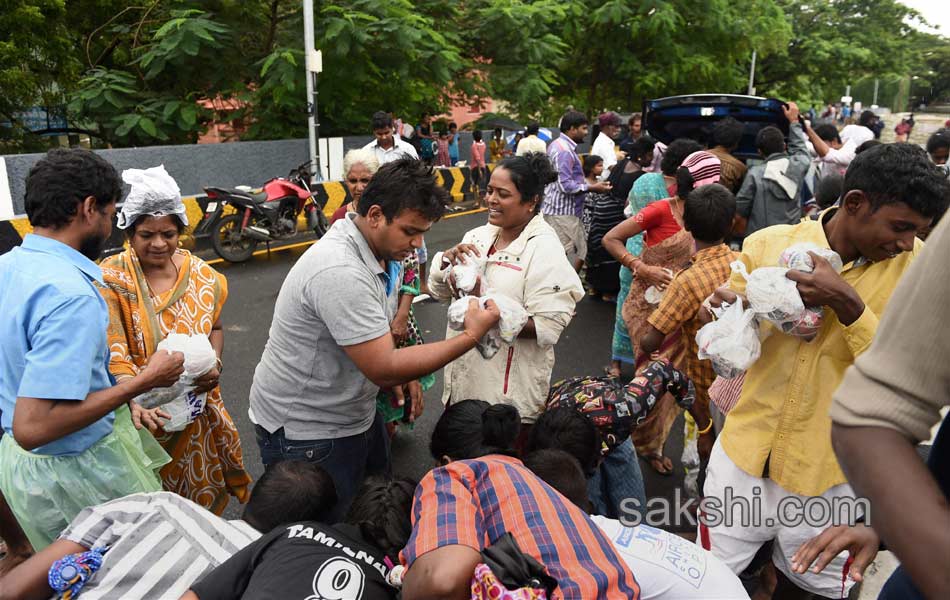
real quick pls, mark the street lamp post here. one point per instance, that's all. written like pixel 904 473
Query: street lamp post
pixel 314 65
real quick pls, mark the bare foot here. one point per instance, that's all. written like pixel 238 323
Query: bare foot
pixel 661 464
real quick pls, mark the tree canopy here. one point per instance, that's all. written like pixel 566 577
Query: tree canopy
pixel 160 71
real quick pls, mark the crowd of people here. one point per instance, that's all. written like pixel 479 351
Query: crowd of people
pixel 535 483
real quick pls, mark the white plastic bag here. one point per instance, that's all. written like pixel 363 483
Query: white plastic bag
pixel 199 355
pixel 731 342
pixel 467 272
pixel 512 321
pixel 796 257
pixel 180 399
pixel 771 294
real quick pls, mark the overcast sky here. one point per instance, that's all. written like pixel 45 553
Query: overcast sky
pixel 936 12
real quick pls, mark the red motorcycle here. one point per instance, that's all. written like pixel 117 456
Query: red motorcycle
pixel 266 215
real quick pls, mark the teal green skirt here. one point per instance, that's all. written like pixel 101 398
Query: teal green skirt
pixel 46 492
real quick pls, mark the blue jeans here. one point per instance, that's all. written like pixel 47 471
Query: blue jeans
pixel 618 478
pixel 348 460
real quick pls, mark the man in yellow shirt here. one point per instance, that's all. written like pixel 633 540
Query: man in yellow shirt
pixel 775 449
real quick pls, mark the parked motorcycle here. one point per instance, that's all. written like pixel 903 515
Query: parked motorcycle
pixel 261 216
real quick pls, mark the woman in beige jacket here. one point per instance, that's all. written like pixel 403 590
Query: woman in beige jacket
pixel 525 261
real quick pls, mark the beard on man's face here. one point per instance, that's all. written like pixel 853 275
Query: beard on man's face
pixel 92 246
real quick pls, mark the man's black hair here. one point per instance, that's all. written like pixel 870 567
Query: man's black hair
pixel 474 428
pixel 940 139
pixel 590 162
pixel 866 118
pixel 828 132
pixel 532 128
pixel 405 184
pixel 676 153
pixel 829 190
pixel 566 429
pixel 770 140
pixel 60 181
pixel 642 146
pixel 382 512
pixel 497 131
pixel 708 213
pixel 290 491
pixel 453 124
pixel 477 135
pixel 893 173
pixel 561 471
pixel 865 146
pixel 381 120
pixel 726 133
pixel 572 119
pixel 530 173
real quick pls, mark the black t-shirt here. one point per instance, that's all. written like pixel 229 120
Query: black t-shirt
pixel 302 561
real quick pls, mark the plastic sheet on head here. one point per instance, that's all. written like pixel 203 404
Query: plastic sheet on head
pixel 731 342
pixel 512 321
pixel 154 193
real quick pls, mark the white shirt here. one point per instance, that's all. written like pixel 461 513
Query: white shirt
pixel 399 150
pixel 836 160
pixel 857 134
pixel 669 567
pixel 604 148
pixel 531 143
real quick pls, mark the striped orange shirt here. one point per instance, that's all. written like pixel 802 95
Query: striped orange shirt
pixel 474 502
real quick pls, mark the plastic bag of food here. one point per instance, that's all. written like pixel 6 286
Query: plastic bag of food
pixel 199 355
pixel 180 399
pixel 467 272
pixel 771 294
pixel 796 257
pixel 512 321
pixel 731 342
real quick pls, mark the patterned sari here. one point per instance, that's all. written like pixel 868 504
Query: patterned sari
pixel 672 253
pixel 648 188
pixel 207 461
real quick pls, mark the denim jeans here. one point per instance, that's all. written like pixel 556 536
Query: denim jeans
pixel 900 586
pixel 348 460
pixel 618 478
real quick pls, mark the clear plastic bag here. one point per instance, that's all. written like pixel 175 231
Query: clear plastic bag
pixel 180 399
pixel 796 257
pixel 512 321
pixel 771 294
pixel 731 342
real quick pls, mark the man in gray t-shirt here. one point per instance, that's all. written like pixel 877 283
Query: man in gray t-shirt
pixel 330 348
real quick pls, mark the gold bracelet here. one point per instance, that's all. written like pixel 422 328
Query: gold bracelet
pixel 706 430
pixel 219 364
pixel 474 339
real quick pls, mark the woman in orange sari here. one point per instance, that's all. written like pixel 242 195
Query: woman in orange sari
pixel 153 289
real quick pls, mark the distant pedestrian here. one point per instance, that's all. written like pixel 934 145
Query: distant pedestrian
pixel 453 143
pixel 388 146
pixel 531 142
pixel 479 170
pixel 564 198
pixel 496 146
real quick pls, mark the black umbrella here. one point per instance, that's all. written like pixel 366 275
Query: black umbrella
pixel 491 122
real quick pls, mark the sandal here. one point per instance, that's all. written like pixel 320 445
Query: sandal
pixel 661 464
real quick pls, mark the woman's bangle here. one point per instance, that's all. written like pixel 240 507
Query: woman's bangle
pixel 706 430
pixel 219 364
